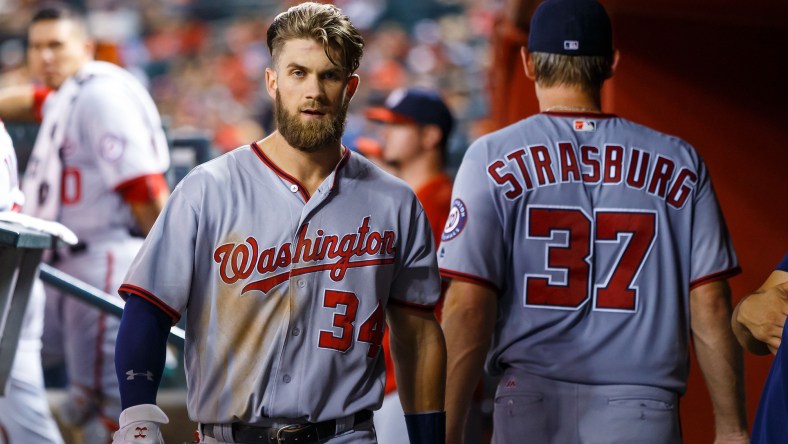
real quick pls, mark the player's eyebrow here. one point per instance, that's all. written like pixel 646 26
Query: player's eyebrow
pixel 334 70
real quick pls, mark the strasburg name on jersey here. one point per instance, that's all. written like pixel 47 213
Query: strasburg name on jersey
pixel 238 260
pixel 610 164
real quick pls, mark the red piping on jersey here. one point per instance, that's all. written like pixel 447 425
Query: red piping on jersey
pixel 725 274
pixel 148 296
pixel 579 114
pixel 451 274
pixel 265 285
pixel 279 172
pixel 340 164
pixel 420 307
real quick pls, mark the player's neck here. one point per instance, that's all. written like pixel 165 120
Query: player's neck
pixel 310 169
pixel 564 98
pixel 420 171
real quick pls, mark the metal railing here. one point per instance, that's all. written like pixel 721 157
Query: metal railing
pixel 96 297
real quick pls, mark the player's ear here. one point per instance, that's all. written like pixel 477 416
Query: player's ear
pixel 431 136
pixel 528 63
pixel 352 86
pixel 616 58
pixel 270 82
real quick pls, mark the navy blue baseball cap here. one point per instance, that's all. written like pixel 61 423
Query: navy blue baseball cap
pixel 414 106
pixel 571 27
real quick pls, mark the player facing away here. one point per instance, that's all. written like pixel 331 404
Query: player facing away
pixel 583 251
pixel 96 167
pixel 759 324
pixel 416 128
pixel 24 410
pixel 287 256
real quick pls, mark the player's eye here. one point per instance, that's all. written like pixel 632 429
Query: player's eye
pixel 297 73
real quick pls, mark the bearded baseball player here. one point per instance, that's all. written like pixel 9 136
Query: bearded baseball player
pixel 583 250
pixel 287 256
pixel 96 167
pixel 24 410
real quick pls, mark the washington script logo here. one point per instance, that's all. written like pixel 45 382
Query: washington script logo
pixel 238 261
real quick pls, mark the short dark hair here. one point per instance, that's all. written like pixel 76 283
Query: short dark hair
pixel 56 10
pixel 324 23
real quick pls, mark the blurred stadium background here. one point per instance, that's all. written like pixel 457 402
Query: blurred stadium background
pixel 705 70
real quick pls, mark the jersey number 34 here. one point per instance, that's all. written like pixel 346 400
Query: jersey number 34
pixel 633 233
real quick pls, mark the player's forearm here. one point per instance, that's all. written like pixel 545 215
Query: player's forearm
pixel 468 322
pixel 419 354
pixel 140 351
pixel 719 356
pixel 145 214
pixel 17 103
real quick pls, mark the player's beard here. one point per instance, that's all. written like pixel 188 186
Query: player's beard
pixel 313 135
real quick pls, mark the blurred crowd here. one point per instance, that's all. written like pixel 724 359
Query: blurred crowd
pixel 204 61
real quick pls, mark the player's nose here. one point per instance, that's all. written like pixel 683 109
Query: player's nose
pixel 313 89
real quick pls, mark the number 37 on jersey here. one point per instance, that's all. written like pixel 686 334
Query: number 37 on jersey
pixel 569 237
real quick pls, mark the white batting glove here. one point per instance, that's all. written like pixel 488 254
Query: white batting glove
pixel 139 424
pixel 79 406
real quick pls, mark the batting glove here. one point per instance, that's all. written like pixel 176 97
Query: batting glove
pixel 79 406
pixel 139 424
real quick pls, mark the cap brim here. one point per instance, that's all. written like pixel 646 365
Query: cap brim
pixel 369 147
pixel 386 115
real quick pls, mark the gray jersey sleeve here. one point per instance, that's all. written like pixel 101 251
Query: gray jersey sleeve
pixel 162 270
pixel 417 282
pixel 473 221
pixel 119 132
pixel 713 256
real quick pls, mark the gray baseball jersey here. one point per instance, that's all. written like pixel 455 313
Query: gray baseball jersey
pixel 593 230
pixel 285 292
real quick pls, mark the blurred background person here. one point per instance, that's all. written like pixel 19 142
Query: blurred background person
pixel 416 124
pixel 98 168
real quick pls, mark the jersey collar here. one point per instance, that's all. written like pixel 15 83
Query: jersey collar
pixel 293 181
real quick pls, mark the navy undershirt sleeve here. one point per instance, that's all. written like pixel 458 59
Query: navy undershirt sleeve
pixel 140 351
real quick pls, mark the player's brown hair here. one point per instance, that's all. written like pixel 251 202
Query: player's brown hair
pixel 586 72
pixel 321 22
pixel 57 10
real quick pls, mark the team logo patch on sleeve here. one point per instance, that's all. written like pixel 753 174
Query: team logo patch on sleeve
pixel 585 125
pixel 112 147
pixel 456 220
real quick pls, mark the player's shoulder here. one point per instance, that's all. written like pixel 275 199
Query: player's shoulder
pixel 221 169
pixel 103 81
pixel 647 132
pixel 213 181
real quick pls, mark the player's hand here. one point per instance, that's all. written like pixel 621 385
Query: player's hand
pixel 139 424
pixel 732 438
pixel 79 406
pixel 763 313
